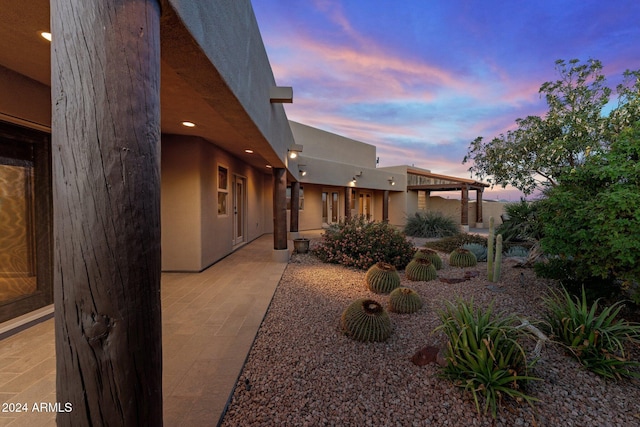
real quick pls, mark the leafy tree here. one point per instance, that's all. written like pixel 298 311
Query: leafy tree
pixel 593 216
pixel 540 149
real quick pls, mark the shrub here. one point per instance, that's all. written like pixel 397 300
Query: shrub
pixel 448 244
pixel 359 243
pixel 430 224
pixel 478 250
pixel 596 339
pixel 521 222
pixel 483 354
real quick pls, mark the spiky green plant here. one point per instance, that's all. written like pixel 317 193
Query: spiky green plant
pixel 431 255
pixel 517 251
pixel 404 300
pixel 597 339
pixel 420 270
pixel 497 268
pixel 366 320
pixel 462 258
pixel 483 354
pixel 480 251
pixel 382 278
pixel 430 224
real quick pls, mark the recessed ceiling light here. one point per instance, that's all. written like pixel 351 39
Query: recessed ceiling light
pixel 269 166
pixel 248 151
pixel 45 35
pixel 189 124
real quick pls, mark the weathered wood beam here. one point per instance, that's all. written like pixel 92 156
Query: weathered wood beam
pixel 479 219
pixel 348 193
pixel 295 207
pixel 105 78
pixel 279 209
pixel 464 208
pixel 385 206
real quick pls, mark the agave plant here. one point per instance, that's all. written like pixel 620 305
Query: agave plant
pixel 404 300
pixel 597 339
pixel 462 258
pixel 480 251
pixel 382 278
pixel 483 354
pixel 431 255
pixel 517 251
pixel 366 320
pixel 421 270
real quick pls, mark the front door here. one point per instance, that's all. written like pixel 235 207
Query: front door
pixel 239 216
pixel 330 208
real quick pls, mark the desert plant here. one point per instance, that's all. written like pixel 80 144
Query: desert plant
pixel 497 268
pixel 462 258
pixel 517 251
pixel 490 258
pixel 431 255
pixel 478 250
pixel 359 243
pixel 382 278
pixel 595 338
pixel 420 270
pixel 483 354
pixel 404 300
pixel 366 320
pixel 430 224
pixel 447 244
pixel 521 222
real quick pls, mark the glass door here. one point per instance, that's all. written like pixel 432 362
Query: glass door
pixel 330 208
pixel 238 209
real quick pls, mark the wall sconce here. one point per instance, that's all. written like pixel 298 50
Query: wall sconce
pixel 354 180
pixel 391 181
pixel 301 171
pixel 294 150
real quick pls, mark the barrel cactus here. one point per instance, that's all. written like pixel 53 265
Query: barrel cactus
pixel 431 255
pixel 382 278
pixel 366 320
pixel 404 300
pixel 420 269
pixel 480 251
pixel 462 258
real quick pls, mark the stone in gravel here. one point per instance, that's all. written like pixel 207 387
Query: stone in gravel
pixel 429 354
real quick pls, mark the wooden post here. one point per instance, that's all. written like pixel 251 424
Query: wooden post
pixel 279 209
pixel 348 192
pixel 385 206
pixel 479 219
pixel 295 207
pixel 464 220
pixel 105 88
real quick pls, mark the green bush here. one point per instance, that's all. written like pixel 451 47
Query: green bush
pixel 448 244
pixel 521 222
pixel 595 338
pixel 359 243
pixel 430 224
pixel 483 354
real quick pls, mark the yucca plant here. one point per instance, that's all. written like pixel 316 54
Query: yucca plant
pixel 595 338
pixel 483 354
pixel 430 224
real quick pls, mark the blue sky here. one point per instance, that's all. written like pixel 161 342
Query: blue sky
pixel 421 79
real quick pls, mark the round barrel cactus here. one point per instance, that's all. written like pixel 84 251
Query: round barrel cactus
pixel 431 255
pixel 404 300
pixel 421 270
pixel 462 258
pixel 366 320
pixel 382 278
pixel 478 250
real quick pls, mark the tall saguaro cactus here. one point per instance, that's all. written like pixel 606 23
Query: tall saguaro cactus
pixel 490 249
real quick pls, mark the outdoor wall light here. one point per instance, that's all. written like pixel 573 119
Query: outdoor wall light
pixel 354 180
pixel 391 181
pixel 294 151
pixel 302 171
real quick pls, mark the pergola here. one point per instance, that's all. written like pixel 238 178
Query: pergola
pixel 427 181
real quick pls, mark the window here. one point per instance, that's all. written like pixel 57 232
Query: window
pixel 301 204
pixel 223 190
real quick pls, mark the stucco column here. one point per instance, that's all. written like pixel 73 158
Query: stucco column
pixel 464 208
pixel 295 209
pixel 280 214
pixel 479 219
pixel 347 202
pixel 385 206
pixel 105 90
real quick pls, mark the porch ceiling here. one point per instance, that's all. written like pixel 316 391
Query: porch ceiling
pixel 191 88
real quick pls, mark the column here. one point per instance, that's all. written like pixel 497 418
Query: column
pixel 464 208
pixel 479 219
pixel 105 88
pixel 385 206
pixel 280 214
pixel 348 193
pixel 295 209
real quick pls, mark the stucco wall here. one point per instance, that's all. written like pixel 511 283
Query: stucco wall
pixel 24 99
pixel 452 208
pixel 194 235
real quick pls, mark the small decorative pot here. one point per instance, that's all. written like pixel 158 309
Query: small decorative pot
pixel 301 245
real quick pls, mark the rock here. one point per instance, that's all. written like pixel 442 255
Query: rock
pixel 429 354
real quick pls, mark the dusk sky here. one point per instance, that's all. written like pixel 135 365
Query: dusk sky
pixel 421 79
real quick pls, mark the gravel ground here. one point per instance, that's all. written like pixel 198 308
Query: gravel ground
pixel 302 371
